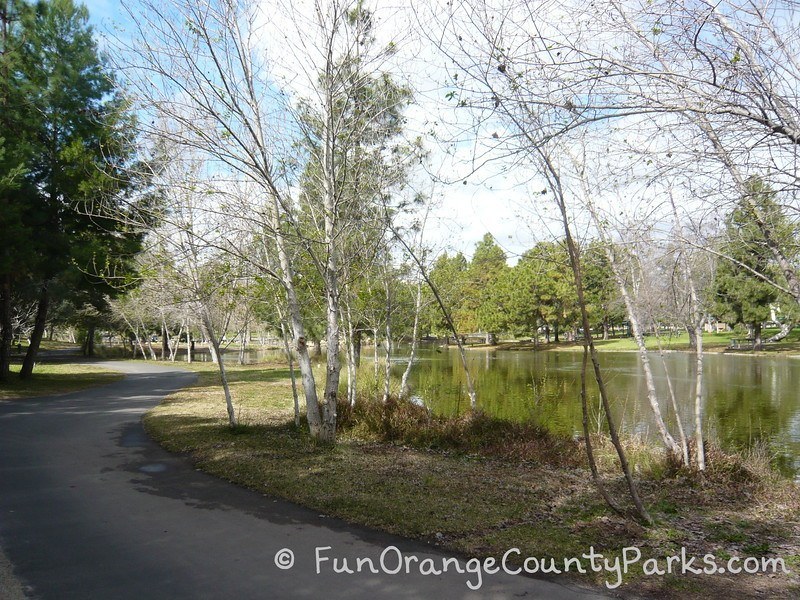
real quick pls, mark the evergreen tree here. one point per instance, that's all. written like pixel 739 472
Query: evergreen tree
pixel 488 265
pixel 741 296
pixel 72 152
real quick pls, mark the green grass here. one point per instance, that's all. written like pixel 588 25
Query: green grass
pixel 48 345
pixel 712 342
pixel 442 486
pixel 55 379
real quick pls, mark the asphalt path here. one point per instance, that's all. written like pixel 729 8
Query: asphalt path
pixel 91 508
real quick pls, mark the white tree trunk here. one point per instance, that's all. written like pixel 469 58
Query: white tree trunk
pixel 296 320
pixel 149 343
pixel 352 372
pixel 675 409
pixel 213 344
pixel 414 341
pixel 290 360
pixel 173 351
pixel 387 369
pixel 644 360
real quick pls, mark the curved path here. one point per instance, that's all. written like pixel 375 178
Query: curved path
pixel 90 508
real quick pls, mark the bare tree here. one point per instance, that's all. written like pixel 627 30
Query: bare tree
pixel 198 67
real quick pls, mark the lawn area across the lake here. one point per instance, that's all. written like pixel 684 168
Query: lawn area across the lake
pixel 712 342
pixel 485 501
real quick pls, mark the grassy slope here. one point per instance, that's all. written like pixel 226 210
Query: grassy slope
pixel 477 505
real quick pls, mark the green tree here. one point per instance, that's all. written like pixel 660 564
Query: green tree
pixel 15 189
pixel 449 275
pixel 514 309
pixel 554 288
pixel 488 264
pixel 74 134
pixel 741 295
pixel 601 292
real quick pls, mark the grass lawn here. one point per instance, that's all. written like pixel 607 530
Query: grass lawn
pixel 712 342
pixel 55 379
pixel 478 504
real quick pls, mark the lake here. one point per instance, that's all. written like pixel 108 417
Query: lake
pixel 748 399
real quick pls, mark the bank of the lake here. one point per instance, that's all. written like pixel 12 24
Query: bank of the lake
pixel 478 501
pixel 670 342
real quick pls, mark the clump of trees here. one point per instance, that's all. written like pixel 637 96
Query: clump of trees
pixel 66 142
pixel 536 297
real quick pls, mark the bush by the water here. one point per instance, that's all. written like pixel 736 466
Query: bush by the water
pixel 402 421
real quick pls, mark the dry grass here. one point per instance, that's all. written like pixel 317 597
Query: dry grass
pixel 478 486
pixel 55 379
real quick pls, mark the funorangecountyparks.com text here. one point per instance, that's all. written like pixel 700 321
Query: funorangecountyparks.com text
pixel 393 561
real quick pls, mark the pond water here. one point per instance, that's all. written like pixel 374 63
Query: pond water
pixel 748 399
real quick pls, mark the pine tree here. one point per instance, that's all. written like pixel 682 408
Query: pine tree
pixel 72 150
pixel 742 296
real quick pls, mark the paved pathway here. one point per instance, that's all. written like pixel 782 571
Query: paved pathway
pixel 90 508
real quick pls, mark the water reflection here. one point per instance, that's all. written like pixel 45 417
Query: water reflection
pixel 747 399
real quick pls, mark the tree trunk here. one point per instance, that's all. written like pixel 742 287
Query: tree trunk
pixel 588 437
pixel 164 340
pixel 290 360
pixel 333 365
pixel 173 348
pixel 674 401
pixel 692 337
pixel 350 335
pixel 605 329
pixel 698 398
pixel 357 347
pixel 6 327
pixel 352 375
pixel 213 343
pixel 575 262
pixel 375 355
pixel 414 341
pixel 296 318
pixel 786 329
pixel 88 344
pixel 135 333
pixel 213 349
pixel 387 370
pixel 242 347
pixel 644 359
pixel 757 343
pixel 37 333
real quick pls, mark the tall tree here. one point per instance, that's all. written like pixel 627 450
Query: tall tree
pixel 74 130
pixel 487 265
pixel 351 127
pixel 741 295
pixel 15 189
